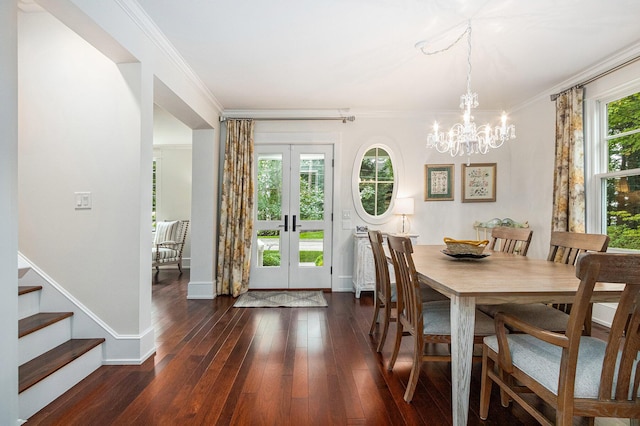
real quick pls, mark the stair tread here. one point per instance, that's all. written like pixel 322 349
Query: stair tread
pixel 24 289
pixel 49 362
pixel 40 320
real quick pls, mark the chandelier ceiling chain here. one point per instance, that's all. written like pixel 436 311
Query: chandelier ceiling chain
pixel 467 138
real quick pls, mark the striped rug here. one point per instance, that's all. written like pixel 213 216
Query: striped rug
pixel 281 298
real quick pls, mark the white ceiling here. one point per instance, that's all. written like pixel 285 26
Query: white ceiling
pixel 360 54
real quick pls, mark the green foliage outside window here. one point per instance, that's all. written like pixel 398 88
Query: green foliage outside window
pixel 623 193
pixel 376 181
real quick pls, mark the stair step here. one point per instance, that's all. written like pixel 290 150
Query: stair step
pixel 26 289
pixel 39 321
pixel 48 363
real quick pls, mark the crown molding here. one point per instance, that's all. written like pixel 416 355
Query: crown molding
pixel 151 30
pixel 609 63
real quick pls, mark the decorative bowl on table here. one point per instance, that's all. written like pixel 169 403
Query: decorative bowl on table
pixel 465 247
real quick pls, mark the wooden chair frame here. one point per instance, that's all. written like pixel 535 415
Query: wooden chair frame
pixel 410 309
pixel 623 341
pixel 511 240
pixel 383 288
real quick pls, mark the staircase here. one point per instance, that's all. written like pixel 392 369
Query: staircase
pixel 51 361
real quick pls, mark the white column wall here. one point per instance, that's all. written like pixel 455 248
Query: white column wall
pixel 204 214
pixel 9 214
pixel 139 80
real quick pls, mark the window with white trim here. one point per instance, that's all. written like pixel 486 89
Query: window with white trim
pixel 616 166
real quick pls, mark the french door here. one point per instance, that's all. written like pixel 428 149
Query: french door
pixel 293 217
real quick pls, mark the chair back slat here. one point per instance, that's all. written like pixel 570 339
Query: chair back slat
pixel 409 302
pixel 511 240
pixel 383 281
pixel 565 247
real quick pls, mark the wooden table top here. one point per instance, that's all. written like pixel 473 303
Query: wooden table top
pixel 502 277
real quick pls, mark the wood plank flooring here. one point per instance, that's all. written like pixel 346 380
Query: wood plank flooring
pixel 216 364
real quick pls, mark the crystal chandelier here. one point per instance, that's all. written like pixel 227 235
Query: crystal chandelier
pixel 467 138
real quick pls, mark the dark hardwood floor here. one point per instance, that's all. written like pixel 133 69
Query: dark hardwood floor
pixel 216 364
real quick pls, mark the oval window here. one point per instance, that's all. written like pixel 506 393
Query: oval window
pixel 374 183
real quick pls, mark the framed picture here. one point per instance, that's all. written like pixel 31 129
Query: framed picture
pixel 479 182
pixel 438 182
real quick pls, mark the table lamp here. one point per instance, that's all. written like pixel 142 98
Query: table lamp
pixel 404 207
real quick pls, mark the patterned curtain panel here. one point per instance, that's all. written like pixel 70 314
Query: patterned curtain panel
pixel 568 190
pixel 236 212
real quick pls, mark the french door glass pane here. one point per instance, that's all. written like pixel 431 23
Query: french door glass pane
pixel 268 248
pixel 312 248
pixel 312 173
pixel 269 187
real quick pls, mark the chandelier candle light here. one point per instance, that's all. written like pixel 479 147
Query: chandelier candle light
pixel 467 138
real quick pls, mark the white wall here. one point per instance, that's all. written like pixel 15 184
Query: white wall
pixel 80 130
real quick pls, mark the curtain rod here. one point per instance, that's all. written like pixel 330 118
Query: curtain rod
pixel 343 119
pixel 598 76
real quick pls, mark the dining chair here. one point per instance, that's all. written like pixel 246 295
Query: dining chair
pixel 565 247
pixel 386 292
pixel 576 375
pixel 510 240
pixel 427 322
pixel 385 296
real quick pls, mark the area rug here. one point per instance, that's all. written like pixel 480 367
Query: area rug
pixel 286 299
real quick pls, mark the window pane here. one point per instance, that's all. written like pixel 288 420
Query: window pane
pixel 376 181
pixel 385 168
pixel 385 191
pixel 270 187
pixel 623 115
pixel 624 152
pixel 623 212
pixel 368 197
pixel 368 166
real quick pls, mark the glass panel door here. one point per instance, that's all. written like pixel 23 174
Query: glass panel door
pixel 293 226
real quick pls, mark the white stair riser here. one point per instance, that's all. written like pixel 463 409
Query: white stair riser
pixel 28 304
pixel 43 340
pixel 44 392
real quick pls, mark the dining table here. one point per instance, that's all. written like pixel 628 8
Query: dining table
pixel 494 278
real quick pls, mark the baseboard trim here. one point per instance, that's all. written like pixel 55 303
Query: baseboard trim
pixel 201 290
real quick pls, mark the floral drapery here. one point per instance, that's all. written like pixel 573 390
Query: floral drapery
pixel 568 190
pixel 236 211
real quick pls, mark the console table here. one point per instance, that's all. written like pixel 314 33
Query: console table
pixel 364 271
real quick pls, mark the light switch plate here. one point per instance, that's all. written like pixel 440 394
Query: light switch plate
pixel 82 200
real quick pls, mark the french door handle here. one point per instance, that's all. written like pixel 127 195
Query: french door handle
pixel 293 226
pixel 286 223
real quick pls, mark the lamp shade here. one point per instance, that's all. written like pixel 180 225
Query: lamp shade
pixel 403 206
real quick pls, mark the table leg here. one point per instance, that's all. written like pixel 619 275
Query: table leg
pixel 462 326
